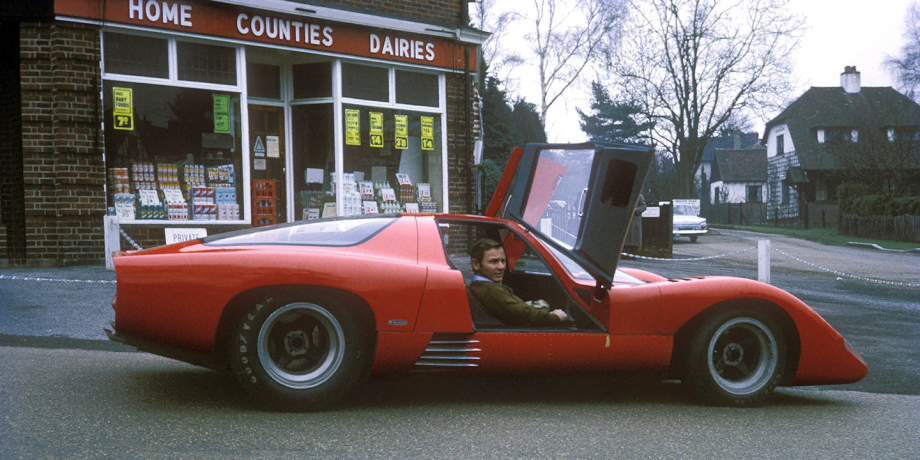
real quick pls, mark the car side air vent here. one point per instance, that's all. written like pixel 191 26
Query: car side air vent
pixel 449 351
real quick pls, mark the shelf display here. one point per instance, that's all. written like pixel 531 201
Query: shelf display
pixel 157 191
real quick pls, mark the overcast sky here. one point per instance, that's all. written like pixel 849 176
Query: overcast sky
pixel 839 33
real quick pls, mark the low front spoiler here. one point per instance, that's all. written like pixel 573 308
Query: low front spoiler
pixel 209 361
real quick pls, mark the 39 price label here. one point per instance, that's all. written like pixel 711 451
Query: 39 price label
pixel 402 131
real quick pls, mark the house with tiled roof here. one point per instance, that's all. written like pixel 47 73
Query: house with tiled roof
pixel 739 176
pixel 807 143
pixel 735 140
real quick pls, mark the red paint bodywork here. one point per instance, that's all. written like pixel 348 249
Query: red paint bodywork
pixel 175 296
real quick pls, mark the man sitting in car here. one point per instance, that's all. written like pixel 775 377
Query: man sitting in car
pixel 488 260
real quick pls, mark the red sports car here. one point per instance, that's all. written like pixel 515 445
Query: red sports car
pixel 301 312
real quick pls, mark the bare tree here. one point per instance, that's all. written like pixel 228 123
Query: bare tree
pixel 695 64
pixel 907 66
pixel 566 38
pixel 499 60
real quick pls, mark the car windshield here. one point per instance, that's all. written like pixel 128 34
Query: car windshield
pixel 683 210
pixel 579 273
pixel 322 232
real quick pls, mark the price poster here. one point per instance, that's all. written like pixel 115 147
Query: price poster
pixel 376 120
pixel 388 195
pixel 403 179
pixel 123 108
pixel 328 210
pixel 352 127
pixel 370 207
pixel 427 133
pixel 402 131
pixel 424 191
pixel 221 113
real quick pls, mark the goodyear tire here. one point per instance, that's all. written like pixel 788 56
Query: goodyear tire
pixel 736 358
pixel 299 355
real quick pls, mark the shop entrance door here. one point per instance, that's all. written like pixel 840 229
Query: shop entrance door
pixel 266 147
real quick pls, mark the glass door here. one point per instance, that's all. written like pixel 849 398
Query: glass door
pixel 268 167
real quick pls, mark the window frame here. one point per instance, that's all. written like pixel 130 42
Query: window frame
pixel 173 81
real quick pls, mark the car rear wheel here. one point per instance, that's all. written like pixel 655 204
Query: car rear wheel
pixel 736 358
pixel 299 355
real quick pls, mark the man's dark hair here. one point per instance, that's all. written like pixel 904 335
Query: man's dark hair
pixel 480 247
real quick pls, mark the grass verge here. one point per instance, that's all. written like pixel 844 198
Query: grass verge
pixel 818 235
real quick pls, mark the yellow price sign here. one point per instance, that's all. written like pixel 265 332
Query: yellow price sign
pixel 427 133
pixel 402 131
pixel 352 127
pixel 123 108
pixel 376 122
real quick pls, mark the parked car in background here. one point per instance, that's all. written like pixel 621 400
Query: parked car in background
pixel 687 223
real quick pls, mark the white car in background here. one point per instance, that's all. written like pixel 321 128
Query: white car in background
pixel 687 223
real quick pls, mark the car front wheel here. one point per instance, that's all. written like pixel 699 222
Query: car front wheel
pixel 299 355
pixel 736 358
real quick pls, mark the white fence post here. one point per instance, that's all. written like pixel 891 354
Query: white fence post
pixel 112 240
pixel 763 261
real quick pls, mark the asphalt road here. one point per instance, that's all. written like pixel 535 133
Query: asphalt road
pixel 65 403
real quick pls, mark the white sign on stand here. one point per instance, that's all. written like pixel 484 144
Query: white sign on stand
pixel 178 235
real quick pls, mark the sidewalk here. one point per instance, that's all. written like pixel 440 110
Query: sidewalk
pixel 853 260
pixel 34 302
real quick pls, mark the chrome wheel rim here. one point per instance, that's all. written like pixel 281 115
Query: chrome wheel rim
pixel 301 345
pixel 742 356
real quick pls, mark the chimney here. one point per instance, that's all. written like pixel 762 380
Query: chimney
pixel 849 79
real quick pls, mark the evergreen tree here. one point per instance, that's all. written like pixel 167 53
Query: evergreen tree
pixel 612 121
pixel 504 127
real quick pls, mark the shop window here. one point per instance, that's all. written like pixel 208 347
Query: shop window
pixel 314 160
pixel 172 153
pixel 417 88
pixel 365 82
pixel 312 80
pixel 263 80
pixel 206 63
pixel 134 55
pixel 393 161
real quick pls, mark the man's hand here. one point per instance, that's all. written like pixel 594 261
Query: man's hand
pixel 561 314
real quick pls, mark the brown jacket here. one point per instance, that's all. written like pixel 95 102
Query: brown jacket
pixel 499 301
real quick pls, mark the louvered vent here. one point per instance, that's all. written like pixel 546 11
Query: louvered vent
pixel 449 351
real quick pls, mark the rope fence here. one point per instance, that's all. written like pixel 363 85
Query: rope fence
pixel 785 254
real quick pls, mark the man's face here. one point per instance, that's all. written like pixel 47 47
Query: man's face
pixel 492 265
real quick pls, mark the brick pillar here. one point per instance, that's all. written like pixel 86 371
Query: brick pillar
pixel 63 168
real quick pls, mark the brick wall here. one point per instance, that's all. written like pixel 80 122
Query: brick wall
pixel 12 208
pixel 459 151
pixel 63 174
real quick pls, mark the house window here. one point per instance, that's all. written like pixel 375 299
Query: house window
pixel 754 193
pixel 780 147
pixel 820 189
pixel 786 193
pixel 820 136
pixel 841 135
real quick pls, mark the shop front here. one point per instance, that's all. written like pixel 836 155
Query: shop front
pixel 224 115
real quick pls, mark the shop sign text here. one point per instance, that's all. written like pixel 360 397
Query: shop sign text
pixel 154 11
pixel 401 47
pixel 284 29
